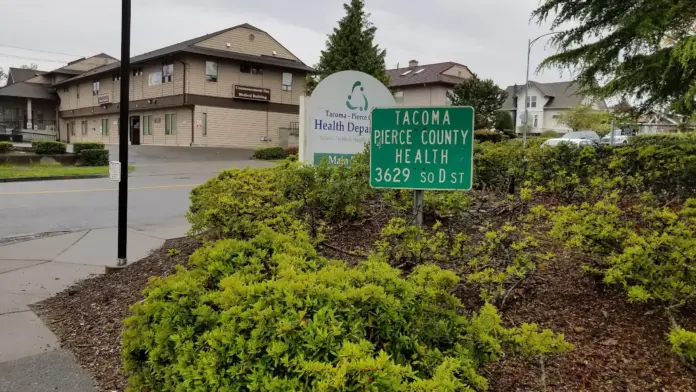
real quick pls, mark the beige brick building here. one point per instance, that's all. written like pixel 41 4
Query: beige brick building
pixel 237 87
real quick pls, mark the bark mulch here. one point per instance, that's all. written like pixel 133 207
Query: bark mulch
pixel 87 317
pixel 618 346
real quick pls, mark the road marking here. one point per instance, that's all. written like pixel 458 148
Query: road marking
pixel 97 190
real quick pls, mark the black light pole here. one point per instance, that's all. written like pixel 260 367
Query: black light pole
pixel 123 133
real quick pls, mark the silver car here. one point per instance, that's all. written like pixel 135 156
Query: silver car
pixel 587 135
pixel 619 138
pixel 576 142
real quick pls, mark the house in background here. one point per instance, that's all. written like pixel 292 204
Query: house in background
pixel 29 103
pixel 545 103
pixel 426 85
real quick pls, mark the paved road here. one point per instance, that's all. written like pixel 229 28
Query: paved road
pixel 158 196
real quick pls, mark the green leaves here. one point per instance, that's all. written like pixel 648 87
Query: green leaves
pixel 683 343
pixel 351 47
pixel 484 96
pixel 627 47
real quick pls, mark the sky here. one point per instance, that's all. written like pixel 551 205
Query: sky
pixel 488 36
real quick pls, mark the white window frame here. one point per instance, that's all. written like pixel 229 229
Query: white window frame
pixel 167 72
pixel 287 81
pixel 209 77
pixel 105 127
pixel 534 101
pixel 399 96
pixel 536 121
pixel 95 88
pixel 83 127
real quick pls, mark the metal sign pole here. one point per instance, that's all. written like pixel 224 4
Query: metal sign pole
pixel 418 207
pixel 123 133
pixel 611 134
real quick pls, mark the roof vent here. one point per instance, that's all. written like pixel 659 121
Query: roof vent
pixel 419 71
pixel 413 63
pixel 406 73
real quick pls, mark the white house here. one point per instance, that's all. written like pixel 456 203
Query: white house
pixel 545 102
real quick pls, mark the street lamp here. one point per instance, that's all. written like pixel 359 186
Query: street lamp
pixel 525 120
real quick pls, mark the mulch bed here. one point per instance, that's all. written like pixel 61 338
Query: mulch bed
pixel 618 346
pixel 87 317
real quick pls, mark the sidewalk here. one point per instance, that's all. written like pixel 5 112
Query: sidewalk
pixel 30 357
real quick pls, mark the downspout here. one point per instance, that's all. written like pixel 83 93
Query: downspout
pixel 193 114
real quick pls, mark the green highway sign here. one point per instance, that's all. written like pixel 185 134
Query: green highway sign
pixel 422 148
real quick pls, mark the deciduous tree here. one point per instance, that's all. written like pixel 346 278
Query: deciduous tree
pixel 351 47
pixel 483 95
pixel 582 117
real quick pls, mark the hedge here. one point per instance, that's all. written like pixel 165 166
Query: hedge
pixel 269 153
pixel 81 146
pixel 5 147
pixel 94 157
pixel 488 136
pixel 44 147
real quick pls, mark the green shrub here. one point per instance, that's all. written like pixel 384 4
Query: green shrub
pixel 269 153
pixel 80 146
pixel 270 315
pixel 332 192
pixel 94 157
pixel 488 136
pixel 44 147
pixel 549 134
pixel 234 203
pixel 5 147
pixel 683 343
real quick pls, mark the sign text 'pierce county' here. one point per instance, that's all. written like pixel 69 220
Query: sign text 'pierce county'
pixel 422 148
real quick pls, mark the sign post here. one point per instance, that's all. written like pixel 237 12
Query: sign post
pixel 423 148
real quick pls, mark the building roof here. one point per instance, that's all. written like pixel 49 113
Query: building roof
pixel 564 95
pixel 27 90
pixel 17 75
pixel 424 74
pixel 188 47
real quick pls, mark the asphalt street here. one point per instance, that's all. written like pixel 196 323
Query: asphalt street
pixel 158 194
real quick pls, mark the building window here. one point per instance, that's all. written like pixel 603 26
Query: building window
pixel 204 123
pixel 399 96
pixel 95 88
pixel 66 89
pixel 536 121
pixel 211 71
pixel 137 72
pixel 147 125
pixel 71 128
pixel 532 101
pixel 116 77
pixel 170 124
pixel 105 127
pixel 167 72
pixel 246 68
pixel 287 81
pixel 83 128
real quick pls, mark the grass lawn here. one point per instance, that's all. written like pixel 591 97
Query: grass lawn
pixel 9 171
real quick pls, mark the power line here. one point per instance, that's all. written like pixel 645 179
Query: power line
pixel 42 51
pixel 33 58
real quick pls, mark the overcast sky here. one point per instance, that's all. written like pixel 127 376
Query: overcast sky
pixel 489 36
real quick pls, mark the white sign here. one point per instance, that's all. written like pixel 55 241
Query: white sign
pixel 115 171
pixel 337 117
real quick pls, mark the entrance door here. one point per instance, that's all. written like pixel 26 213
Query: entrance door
pixel 135 130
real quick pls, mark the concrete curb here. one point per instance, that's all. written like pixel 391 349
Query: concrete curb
pixel 51 178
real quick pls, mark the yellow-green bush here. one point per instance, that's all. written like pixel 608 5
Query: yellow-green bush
pixel 268 314
pixel 5 147
pixel 237 202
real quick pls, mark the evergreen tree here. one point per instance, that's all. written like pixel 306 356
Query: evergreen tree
pixel 641 48
pixel 503 121
pixel 483 95
pixel 351 47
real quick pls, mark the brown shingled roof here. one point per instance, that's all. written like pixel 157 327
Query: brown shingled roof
pixel 423 74
pixel 17 75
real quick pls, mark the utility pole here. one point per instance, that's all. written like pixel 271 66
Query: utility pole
pixel 123 133
pixel 525 120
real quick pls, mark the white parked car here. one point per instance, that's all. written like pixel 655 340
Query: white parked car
pixel 587 135
pixel 576 142
pixel 619 138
